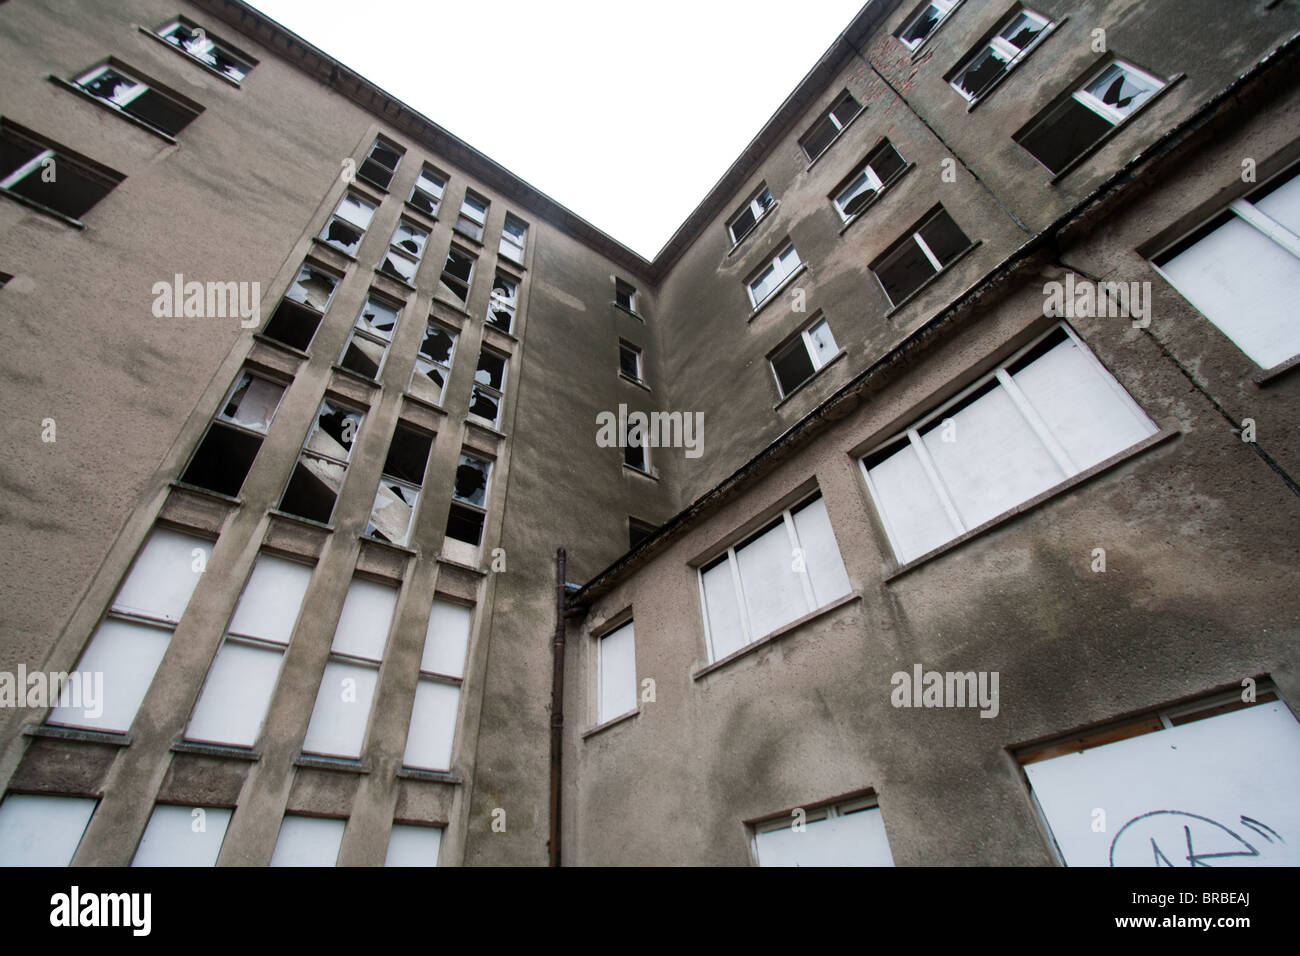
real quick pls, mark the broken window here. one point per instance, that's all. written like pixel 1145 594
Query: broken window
pixel 232 441
pixel 380 164
pixel 799 359
pixel 629 361
pixel 625 295
pixel 916 258
pixel 456 275
pixel 489 384
pixel 828 125
pixel 1067 131
pixel 298 315
pixel 469 499
pixel 754 209
pixel 193 40
pixel 769 278
pixel 115 86
pixel 433 363
pixel 473 216
pixel 635 453
pixel 427 194
pixel 437 693
pixel 368 343
pixel 513 234
pixel 348 224
pixel 995 59
pixel 866 182
pixel 404 251
pixel 502 302
pixel 637 532
pixel 924 22
pixel 320 470
pixel 46 174
pixel 399 487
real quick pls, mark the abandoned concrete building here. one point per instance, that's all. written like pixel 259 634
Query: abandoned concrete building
pixel 929 499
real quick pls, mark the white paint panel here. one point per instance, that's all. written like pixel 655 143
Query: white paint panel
pixel 413 846
pixel 617 670
pixel 365 619
pixel 821 554
pixel 42 831
pixel 338 721
pixel 1228 784
pixel 433 726
pixel 773 593
pixel 723 610
pixel 308 841
pixel 235 697
pixel 447 639
pixel 163 577
pixel 177 836
pixel 857 839
pixel 915 517
pixel 127 655
pixel 269 606
pixel 1283 204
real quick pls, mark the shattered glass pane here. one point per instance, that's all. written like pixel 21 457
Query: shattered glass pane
pixel 793 367
pixel 427 381
pixel 1065 134
pixel 765 199
pixel 334 432
pixel 823 342
pixel 845 110
pixel 206 50
pixel 313 288
pixel 389 158
pixel 922 26
pixel 431 186
pixel 484 404
pixel 390 517
pixel 253 403
pixel 408 454
pixel 410 239
pixel 500 316
pixel 363 356
pixel 491 369
pixel 313 489
pixel 456 275
pixel 378 318
pixel 1023 31
pixel 471 480
pixel 343 235
pixel 886 162
pixel 1121 89
pixel 438 344
pixel 111 86
pixel 984 70
pixel 356 211
pixel 858 193
pixel 399 266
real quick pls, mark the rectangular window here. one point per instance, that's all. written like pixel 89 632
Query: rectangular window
pixel 629 361
pixel 845 834
pixel 371 334
pixel 489 386
pixel 226 453
pixel 40 830
pixel 1242 268
pixel 989 63
pixel 437 692
pixel 637 532
pixel 50 176
pixel 917 258
pixel 130 641
pixel 410 845
pixel 399 486
pixel 296 318
pixel 456 276
pixel 115 85
pixel 323 464
pixel 380 164
pixel 196 42
pixel 625 295
pixel 237 693
pixel 173 838
pixel 866 182
pixel 769 278
pixel 636 454
pixel 1069 130
pixel 828 126
pixel 503 302
pixel 469 500
pixel 513 236
pixel 348 224
pixel 338 721
pixel 473 216
pixel 433 363
pixel 788 569
pixel 427 194
pixel 308 841
pixel 1048 414
pixel 404 251
pixel 924 22
pixel 798 360
pixel 616 674
pixel 754 209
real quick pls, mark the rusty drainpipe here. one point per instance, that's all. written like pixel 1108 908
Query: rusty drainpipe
pixel 557 707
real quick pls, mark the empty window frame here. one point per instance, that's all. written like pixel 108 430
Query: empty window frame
pixel 115 85
pixel 426 195
pixel 625 295
pixel 473 216
pixel 217 55
pixel 296 318
pixel 636 450
pixel 457 274
pixel 829 125
pixel 1069 130
pixel 182 836
pixel 844 834
pixel 399 486
pixel 308 841
pixel 762 284
pixel 1046 415
pixel 629 361
pixel 412 844
pixel 1242 267
pixel 349 223
pixel 371 334
pixel 503 302
pixel 489 386
pixel 747 217
pixel 800 358
pixel 861 187
pixel 347 688
pixel 433 363
pixel 988 63
pixel 513 236
pixel 380 163
pixel 53 178
pixel 921 255
pixel 469 499
pixel 130 641
pixel 789 568
pixel 922 24
pixel 437 692
pixel 237 693
pixel 42 830
pixel 637 532
pixel 322 466
pixel 405 250
pixel 233 439
pixel 616 673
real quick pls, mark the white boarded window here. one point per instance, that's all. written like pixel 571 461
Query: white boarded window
pixel 437 692
pixel 308 841
pixel 849 834
pixel 616 674
pixel 1192 786
pixel 237 693
pixel 130 642
pixel 413 845
pixel 1050 413
pixel 338 721
pixel 182 836
pixel 38 830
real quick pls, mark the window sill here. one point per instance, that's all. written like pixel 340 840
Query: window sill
pixel 484 425
pixel 633 381
pixel 1001 79
pixel 453 563
pixel 330 249
pixel 908 299
pixel 495 330
pixel 623 308
pixel 228 751
pixel 503 259
pixel 1269 375
pixel 639 472
pixel 776 293
pixel 454 304
pixel 1041 498
pixel 355 376
pixel 433 776
pixel 613 721
pixel 754 228
pixel 884 189
pixel 343 764
pixel 194 59
pixel 220 496
pixel 831 145
pixel 40 207
pixel 425 403
pixel 283 347
pixel 396 280
pixel 424 218
pixel 298 519
pixel 810 379
pixel 75 89
pixel 57 732
pixel 467 238
pixel 402 549
pixel 358 177
pixel 782 631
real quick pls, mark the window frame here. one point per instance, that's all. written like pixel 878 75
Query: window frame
pixel 345 408
pixel 422 357
pixel 945 8
pixel 455 250
pixel 375 338
pixel 755 206
pixel 465 504
pixel 601 673
pixel 492 392
pixel 433 176
pixel 43 148
pixel 387 478
pixel 881 184
pixel 1001 46
pixel 413 259
pixel 348 194
pixel 380 142
pixel 828 115
pixel 627 289
pixel 509 305
pixel 221 420
pixel 230 51
pixel 437 677
pixel 510 242
pixel 816 813
pixel 803 336
pixel 471 199
pixel 773 265
pixel 301 305
pixel 639 377
pixel 914 237
pixel 142 86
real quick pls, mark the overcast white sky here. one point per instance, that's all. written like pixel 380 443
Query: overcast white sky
pixel 625 112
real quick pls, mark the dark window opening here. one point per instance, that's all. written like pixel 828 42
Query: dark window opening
pixel 1065 134
pixel 380 165
pixel 456 274
pixel 465 524
pixel 638 532
pixel 312 491
pixel 793 366
pixel 408 454
pixel 223 460
pixel 629 361
pixel 293 324
pixel 920 256
pixel 823 132
pixel 625 295
pixel 49 176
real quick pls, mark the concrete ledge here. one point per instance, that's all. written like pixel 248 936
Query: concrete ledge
pixel 776 635
pixel 341 764
pixel 112 738
pixel 430 776
pixel 216 750
pixel 611 722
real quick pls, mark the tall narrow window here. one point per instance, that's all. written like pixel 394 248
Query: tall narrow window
pixel 115 85
pixel 916 258
pixel 308 841
pixel 469 500
pixel 629 361
pixel 489 386
pixel 503 302
pixel 298 315
pixel 323 464
pixel 433 363
pixel 224 457
pixel 437 693
pixel 513 235
pixel 616 674
pixel 405 251
pixel 636 453
pixel 50 176
pixel 399 487
pixel 799 359
pixel 371 335
pixel 769 278
pixel 174 838
pixel 41 830
pixel 989 63
pixel 380 164
pixel 754 209
pixel 924 22
pixel 866 182
pixel 457 273
pixel 427 194
pixel 196 42
pixel 349 223
pixel 625 295
pixel 473 216
pixel 828 126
